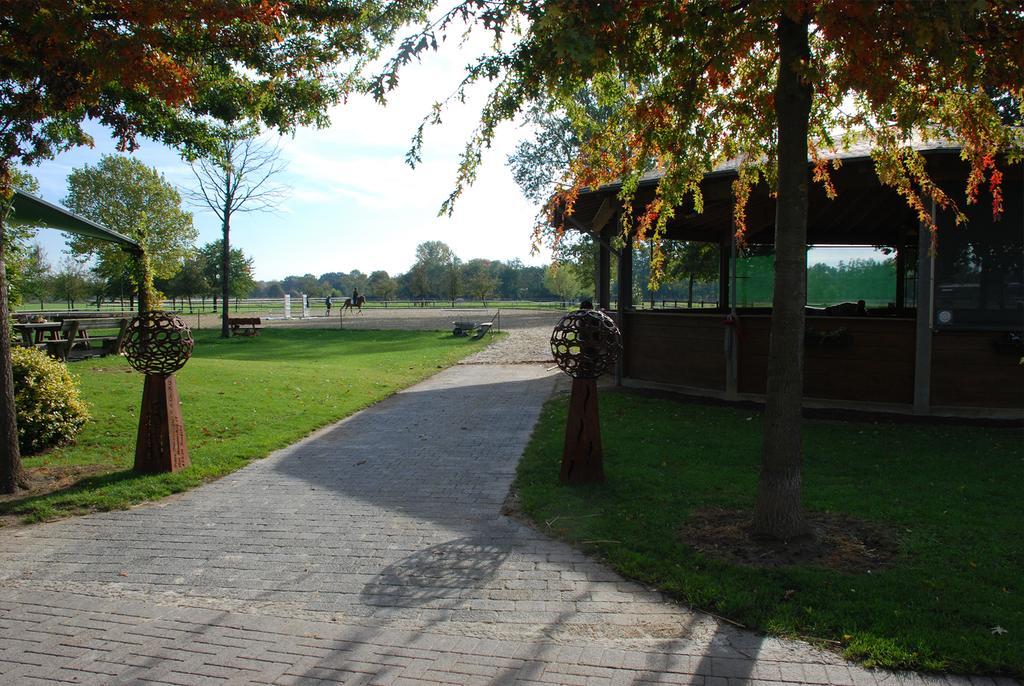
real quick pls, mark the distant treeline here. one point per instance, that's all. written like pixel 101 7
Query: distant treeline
pixel 873 281
pixel 511 280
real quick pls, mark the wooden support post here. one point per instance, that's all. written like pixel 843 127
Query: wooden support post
pixel 923 331
pixel 625 278
pixel 732 343
pixel 901 278
pixel 161 444
pixel 582 456
pixel 726 292
pixel 724 270
pixel 625 301
pixel 604 272
pixel 605 213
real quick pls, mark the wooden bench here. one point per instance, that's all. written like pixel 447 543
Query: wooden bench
pixel 77 343
pixel 86 314
pixel 245 326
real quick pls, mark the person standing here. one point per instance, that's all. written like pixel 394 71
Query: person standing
pixel 329 301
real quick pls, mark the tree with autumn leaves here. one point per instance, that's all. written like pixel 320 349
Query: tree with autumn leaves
pixel 169 71
pixel 691 84
pixel 770 83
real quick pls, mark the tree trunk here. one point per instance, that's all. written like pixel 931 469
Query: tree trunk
pixel 225 277
pixel 145 277
pixel 778 512
pixel 689 296
pixel 11 474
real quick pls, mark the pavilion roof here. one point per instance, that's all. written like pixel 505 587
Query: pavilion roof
pixel 864 213
pixel 30 210
pixel 855 151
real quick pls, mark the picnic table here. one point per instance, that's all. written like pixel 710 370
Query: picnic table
pixel 35 332
pixel 59 338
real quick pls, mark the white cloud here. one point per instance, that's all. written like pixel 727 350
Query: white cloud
pixel 355 203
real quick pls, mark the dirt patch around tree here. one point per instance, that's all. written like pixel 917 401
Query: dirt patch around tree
pixel 49 479
pixel 839 542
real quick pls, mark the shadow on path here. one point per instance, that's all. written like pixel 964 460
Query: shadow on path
pixel 376 550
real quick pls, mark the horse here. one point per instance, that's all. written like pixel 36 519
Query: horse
pixel 358 304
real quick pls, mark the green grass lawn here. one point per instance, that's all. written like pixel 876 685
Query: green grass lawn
pixel 951 494
pixel 241 398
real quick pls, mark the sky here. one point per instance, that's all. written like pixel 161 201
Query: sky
pixel 352 201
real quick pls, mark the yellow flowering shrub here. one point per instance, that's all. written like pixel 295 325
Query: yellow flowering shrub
pixel 50 411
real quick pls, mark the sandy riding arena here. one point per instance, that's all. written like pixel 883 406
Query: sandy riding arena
pixel 527 341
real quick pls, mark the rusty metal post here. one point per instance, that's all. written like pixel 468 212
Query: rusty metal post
pixel 585 344
pixel 161 445
pixel 159 344
pixel 582 456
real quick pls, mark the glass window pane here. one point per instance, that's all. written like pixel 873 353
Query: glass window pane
pixel 979 271
pixel 835 275
pixel 755 276
pixel 849 274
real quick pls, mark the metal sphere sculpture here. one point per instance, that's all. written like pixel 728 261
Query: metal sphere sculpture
pixel 157 343
pixel 586 343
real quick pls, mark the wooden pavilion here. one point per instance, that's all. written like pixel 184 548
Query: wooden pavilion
pixel 948 344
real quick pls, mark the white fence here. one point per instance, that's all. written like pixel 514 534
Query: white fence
pixel 286 307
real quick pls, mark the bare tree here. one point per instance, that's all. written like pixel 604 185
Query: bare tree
pixel 239 179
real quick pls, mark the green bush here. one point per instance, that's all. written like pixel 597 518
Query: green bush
pixel 46 399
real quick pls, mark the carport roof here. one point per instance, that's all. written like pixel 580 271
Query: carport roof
pixel 29 210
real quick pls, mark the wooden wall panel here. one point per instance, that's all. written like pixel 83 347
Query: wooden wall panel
pixel 968 372
pixel 876 364
pixel 678 349
pixel 752 357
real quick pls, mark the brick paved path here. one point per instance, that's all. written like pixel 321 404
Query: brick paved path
pixel 371 553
